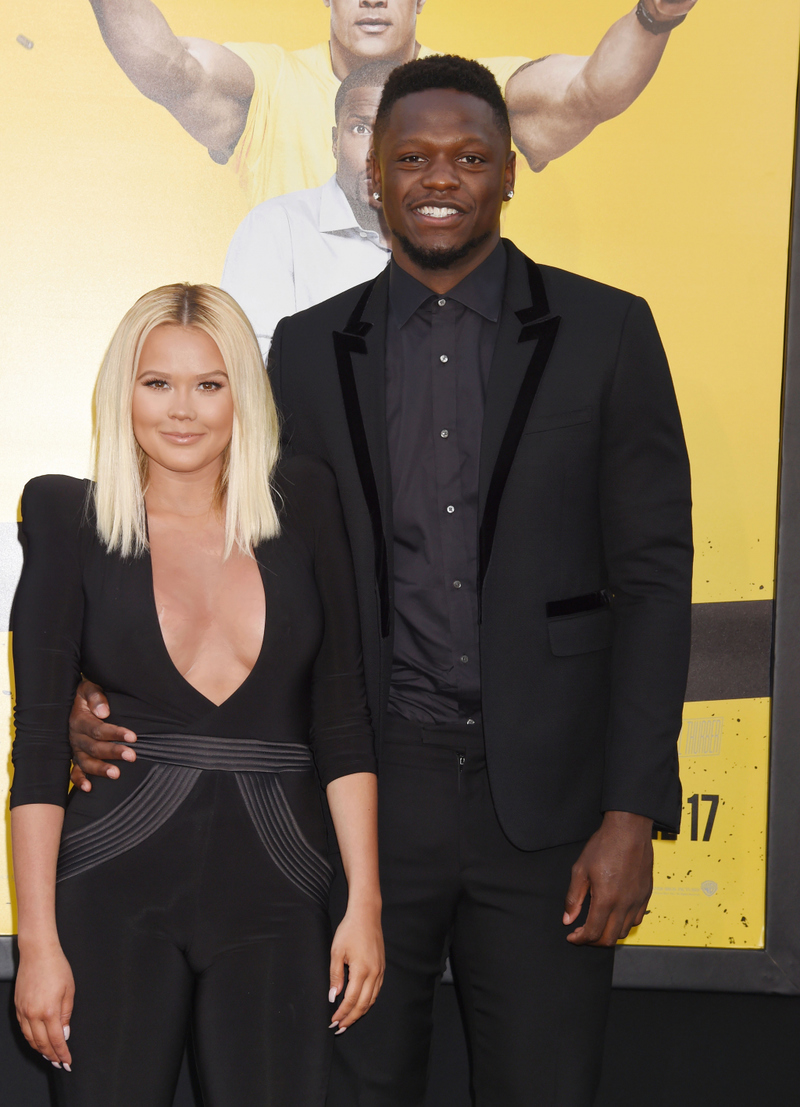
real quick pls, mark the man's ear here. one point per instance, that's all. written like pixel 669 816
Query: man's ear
pixel 374 170
pixel 335 143
pixel 327 3
pixel 511 171
pixel 420 5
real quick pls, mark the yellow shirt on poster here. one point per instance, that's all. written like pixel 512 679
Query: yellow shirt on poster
pixel 286 142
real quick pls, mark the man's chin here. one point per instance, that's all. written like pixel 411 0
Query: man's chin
pixel 439 257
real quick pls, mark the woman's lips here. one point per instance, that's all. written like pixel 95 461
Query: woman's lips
pixel 181 439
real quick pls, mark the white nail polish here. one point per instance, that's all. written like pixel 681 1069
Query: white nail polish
pixel 66 1066
pixel 66 1033
pixel 341 1030
pixel 331 995
pixel 333 1024
pixel 55 1064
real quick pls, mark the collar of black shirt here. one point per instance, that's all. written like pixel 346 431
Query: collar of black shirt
pixel 480 291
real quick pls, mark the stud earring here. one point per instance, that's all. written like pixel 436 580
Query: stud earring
pixel 509 194
pixel 376 195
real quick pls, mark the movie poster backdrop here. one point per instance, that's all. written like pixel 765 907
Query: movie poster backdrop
pixel 684 198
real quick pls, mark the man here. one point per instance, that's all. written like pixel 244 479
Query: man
pixel 267 111
pixel 294 251
pixel 516 489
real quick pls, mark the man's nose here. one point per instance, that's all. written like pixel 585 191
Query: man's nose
pixel 440 175
pixel 374 3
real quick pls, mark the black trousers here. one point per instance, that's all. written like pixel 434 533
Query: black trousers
pixel 196 927
pixel 534 1006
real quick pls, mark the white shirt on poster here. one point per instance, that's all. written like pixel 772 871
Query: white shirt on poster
pixel 294 251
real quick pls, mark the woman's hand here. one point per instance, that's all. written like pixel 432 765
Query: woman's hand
pixel 357 943
pixel 44 996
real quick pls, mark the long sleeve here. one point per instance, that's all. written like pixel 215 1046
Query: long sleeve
pixel 341 734
pixel 46 623
pixel 647 536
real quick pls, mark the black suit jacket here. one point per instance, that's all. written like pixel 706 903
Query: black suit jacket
pixel 585 537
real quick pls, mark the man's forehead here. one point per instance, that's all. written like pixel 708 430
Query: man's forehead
pixel 362 101
pixel 437 112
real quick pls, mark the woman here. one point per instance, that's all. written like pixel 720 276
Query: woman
pixel 220 616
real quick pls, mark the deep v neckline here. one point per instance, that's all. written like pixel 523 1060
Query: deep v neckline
pixel 168 656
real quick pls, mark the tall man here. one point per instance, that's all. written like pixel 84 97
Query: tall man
pixel 267 111
pixel 514 479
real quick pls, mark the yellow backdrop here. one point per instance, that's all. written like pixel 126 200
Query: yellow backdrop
pixel 684 199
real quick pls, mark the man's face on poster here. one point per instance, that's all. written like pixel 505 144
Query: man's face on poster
pixel 352 138
pixel 374 28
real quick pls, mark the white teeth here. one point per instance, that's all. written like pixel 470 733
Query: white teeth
pixel 437 213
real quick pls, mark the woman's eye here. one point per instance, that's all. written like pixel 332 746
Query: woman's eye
pixel 210 386
pixel 156 384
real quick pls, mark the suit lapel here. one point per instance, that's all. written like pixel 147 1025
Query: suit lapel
pixel 360 358
pixel 524 342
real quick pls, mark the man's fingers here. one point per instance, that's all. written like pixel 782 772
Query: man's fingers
pixel 595 925
pixel 576 893
pixel 79 779
pixel 97 703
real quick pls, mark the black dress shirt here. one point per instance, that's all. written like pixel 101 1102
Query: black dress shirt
pixel 438 355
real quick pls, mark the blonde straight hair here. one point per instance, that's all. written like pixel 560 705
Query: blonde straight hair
pixel 244 490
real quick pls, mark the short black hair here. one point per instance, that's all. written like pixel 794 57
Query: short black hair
pixel 442 71
pixel 372 75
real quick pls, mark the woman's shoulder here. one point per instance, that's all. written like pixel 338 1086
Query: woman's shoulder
pixel 304 477
pixel 55 501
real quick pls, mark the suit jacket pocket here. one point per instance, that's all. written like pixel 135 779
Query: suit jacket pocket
pixel 557 420
pixel 582 633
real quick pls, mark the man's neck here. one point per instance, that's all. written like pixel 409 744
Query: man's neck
pixel 343 62
pixel 441 281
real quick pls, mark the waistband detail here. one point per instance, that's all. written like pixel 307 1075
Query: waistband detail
pixel 235 755
pixel 454 736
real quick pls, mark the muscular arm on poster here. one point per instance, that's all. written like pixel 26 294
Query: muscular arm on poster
pixel 556 102
pixel 204 85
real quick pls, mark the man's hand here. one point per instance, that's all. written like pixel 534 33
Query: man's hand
pixel 616 867
pixel 94 742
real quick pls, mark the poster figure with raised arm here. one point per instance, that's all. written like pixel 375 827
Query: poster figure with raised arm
pixel 294 251
pixel 267 111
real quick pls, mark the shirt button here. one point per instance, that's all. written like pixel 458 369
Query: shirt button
pixel 450 509
pixel 443 358
pixel 445 433
pixel 442 303
pixel 363 234
pixel 463 659
pixel 456 583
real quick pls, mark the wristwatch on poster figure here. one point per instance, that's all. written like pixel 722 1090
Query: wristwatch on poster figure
pixel 657 26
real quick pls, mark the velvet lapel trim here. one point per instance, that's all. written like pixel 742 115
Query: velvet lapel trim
pixel 352 340
pixel 540 327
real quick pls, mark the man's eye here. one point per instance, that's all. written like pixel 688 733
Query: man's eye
pixel 362 129
pixel 472 159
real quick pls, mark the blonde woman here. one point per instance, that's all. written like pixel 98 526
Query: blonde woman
pixel 211 595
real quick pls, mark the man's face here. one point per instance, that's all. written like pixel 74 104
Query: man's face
pixel 352 138
pixel 443 170
pixel 374 28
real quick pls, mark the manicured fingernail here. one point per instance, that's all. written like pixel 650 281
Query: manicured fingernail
pixel 66 1033
pixel 128 755
pixel 66 1066
pixel 86 787
pixel 565 920
pixel 341 1030
pixel 55 1064
pixel 331 995
pixel 332 1025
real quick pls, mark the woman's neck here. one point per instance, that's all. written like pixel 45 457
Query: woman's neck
pixel 189 495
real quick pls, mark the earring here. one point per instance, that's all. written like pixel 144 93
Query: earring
pixel 376 195
pixel 509 194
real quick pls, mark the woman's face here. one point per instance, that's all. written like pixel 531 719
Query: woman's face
pixel 182 403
